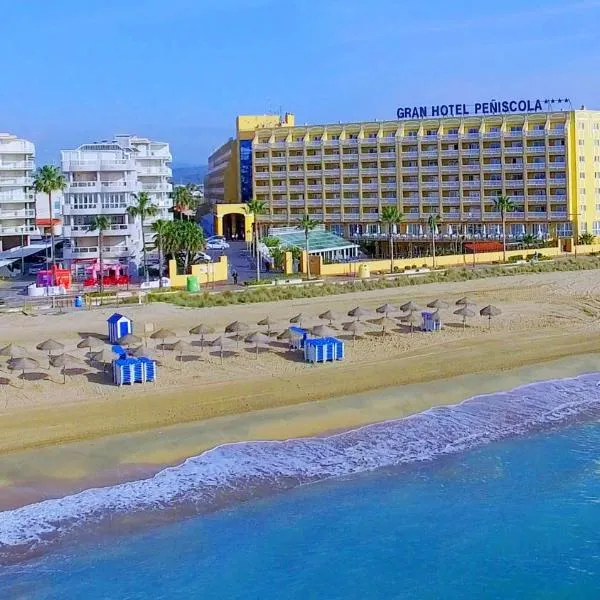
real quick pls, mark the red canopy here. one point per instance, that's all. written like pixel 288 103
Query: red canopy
pixel 491 246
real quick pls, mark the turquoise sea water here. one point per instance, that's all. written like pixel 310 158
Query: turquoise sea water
pixel 515 518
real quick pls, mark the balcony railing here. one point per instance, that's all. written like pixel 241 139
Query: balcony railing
pixel 18 230
pixel 26 213
pixel 19 165
pixel 16 181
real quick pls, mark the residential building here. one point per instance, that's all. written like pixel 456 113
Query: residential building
pixel 103 179
pixel 343 174
pixel 17 199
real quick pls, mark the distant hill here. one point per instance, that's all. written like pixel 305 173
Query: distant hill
pixel 189 173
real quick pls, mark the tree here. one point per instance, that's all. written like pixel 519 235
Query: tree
pixel 49 179
pixel 307 224
pixel 433 221
pixel 143 208
pixel 183 200
pixel 160 229
pixel 503 205
pixel 528 240
pixel 256 208
pixel 100 223
pixel 586 239
pixel 183 240
pixel 390 215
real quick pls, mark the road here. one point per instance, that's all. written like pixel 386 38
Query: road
pixel 239 259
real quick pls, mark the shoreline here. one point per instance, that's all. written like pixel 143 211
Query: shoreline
pixel 65 469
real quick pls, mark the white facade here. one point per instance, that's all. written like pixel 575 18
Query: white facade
pixel 102 179
pixel 17 199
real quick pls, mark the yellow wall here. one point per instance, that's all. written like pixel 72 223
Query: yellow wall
pixel 234 209
pixel 216 271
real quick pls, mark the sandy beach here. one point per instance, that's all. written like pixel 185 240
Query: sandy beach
pixel 546 319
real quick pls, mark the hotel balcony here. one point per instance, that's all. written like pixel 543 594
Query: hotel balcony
pixel 453 169
pixel 536 150
pixel 556 132
pixel 557 165
pixel 389 186
pixel 314 159
pixel 537 199
pixel 450 185
pixel 411 154
pixel 410 201
pixel 492 151
pixel 536 166
pixel 559 214
pixel 156 187
pixel 350 172
pixel 388 171
pixel 512 167
pixel 113 229
pixel 449 153
pixel 431 185
pixel 262 160
pixel 387 155
pixel 536 182
pixel 471 152
pixel 471 184
pixel 491 135
pixel 18 229
pixel 16 181
pixel 350 186
pixel 430 169
pixel 515 183
pixel 102 165
pixel 556 149
pixel 369 187
pixel 429 153
pixel 409 170
pixel 16 196
pixel 369 171
pixel 262 175
pixel 297 202
pixel 513 150
pixel 469 168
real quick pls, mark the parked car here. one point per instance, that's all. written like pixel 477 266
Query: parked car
pixel 217 245
pixel 202 256
pixel 214 238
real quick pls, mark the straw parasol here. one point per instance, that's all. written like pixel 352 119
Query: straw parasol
pixel 201 330
pixel 259 339
pixel 385 323
pixel 386 309
pixel 140 351
pixel 104 356
pixel 13 351
pixel 288 334
pixel 465 312
pixel 356 328
pixel 181 346
pixel 466 301
pixel 236 327
pixel 490 311
pixel 412 319
pixel 23 363
pixel 90 343
pixel 129 340
pixel 410 306
pixel 328 315
pixel 64 361
pixel 438 304
pixel 222 342
pixel 266 322
pixel 359 312
pixel 323 331
pixel 162 335
pixel 50 346
pixel 299 319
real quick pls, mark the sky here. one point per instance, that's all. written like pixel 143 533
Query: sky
pixel 75 71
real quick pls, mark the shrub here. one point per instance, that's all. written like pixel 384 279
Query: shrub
pixel 515 258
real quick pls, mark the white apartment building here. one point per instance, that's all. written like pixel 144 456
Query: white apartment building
pixel 17 199
pixel 102 178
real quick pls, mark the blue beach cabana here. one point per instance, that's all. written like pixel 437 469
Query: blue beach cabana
pixel 118 326
pixel 323 349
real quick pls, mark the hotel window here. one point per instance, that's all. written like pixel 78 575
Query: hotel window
pixel 582 159
pixel 581 125
pixel 581 175
pixel 516 129
pixel 598 208
pixel 596 228
pixel 583 227
pixel 581 142
pixel 582 208
pixel 372 136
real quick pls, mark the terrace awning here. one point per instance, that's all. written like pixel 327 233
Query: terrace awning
pixel 476 247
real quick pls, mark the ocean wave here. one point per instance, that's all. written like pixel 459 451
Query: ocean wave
pixel 248 466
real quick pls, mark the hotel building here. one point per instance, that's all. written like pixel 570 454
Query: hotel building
pixel 17 198
pixel 343 175
pixel 102 179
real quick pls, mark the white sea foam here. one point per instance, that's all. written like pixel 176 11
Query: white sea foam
pixel 249 465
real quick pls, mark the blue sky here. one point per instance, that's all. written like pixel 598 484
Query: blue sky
pixel 181 70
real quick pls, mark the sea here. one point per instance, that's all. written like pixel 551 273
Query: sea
pixel 497 497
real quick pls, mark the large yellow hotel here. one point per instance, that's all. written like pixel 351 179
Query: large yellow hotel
pixel 342 175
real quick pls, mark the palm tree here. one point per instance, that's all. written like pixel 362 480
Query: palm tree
pixel 49 179
pixel 307 224
pixel 100 223
pixel 586 239
pixel 183 240
pixel 528 240
pixel 143 208
pixel 391 216
pixel 256 208
pixel 503 205
pixel 433 221
pixel 183 200
pixel 160 229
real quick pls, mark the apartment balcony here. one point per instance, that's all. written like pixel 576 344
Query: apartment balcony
pixel 263 160
pixel 389 187
pixel 411 201
pixel 278 160
pixel 121 229
pixel 262 175
pixel 429 153
pixel 513 134
pixel 450 201
pixel 331 158
pixel 556 149
pixel 312 173
pixel 369 171
pixel 512 150
pixel 468 168
pixel 350 172
pixel 471 152
pixel 533 199
pixel 409 170
pixel 471 184
pixel 314 159
pixel 369 187
pixel 535 133
pixel 332 187
pixel 18 229
pixel 431 185
pixel 430 201
pixel 471 216
pixel 93 209
pixel 491 135
pixel 556 132
pixel 16 196
pixel 411 154
pixel 331 143
pixel 541 166
pixel 296 188
pixel 559 214
pixel 536 149
pixel 536 182
pixel 295 173
pixel 387 155
pixel 18 165
pixel 492 151
pixel 512 184
pixel 388 171
pixel 16 181
pixel 454 169
pixel 24 213
pixel 450 185
pixel 102 165
pixel 430 169
pixel 297 202
pixel 512 168
pixel 557 165
pixel 468 200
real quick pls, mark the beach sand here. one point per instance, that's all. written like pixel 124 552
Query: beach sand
pixel 546 317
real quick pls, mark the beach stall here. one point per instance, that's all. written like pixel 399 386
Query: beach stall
pixel 431 321
pixel 323 349
pixel 118 326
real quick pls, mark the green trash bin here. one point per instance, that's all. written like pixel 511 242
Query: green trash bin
pixel 193 285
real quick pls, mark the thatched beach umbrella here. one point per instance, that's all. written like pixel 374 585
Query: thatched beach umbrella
pixel 466 301
pixel 64 361
pixel 129 339
pixel 299 319
pixel 13 351
pixel 140 351
pixel 266 322
pixel 359 312
pixel 201 330
pixel 181 346
pixel 236 327
pixel 438 304
pixel 23 363
pixel 162 335
pixel 413 319
pixel 330 316
pixel 223 343
pixel 465 312
pixel 356 328
pixel 90 343
pixel 410 306
pixel 386 309
pixel 490 311
pixel 259 340
pixel 323 331
pixel 50 346
pixel 385 323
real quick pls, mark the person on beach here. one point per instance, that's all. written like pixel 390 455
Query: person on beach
pixel 234 274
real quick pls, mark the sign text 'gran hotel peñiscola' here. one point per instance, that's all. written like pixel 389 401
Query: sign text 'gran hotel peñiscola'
pixel 493 107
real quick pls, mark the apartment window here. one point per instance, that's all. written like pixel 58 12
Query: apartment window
pixel 582 191
pixel 596 228
pixel 516 129
pixel 581 175
pixel 582 159
pixel 583 227
pixel 596 126
pixel 581 142
pixel 582 208
pixel 598 208
pixel 372 136
pixel 596 142
pixel 353 136
pixel 473 130
pixel 581 126
pixel 335 137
